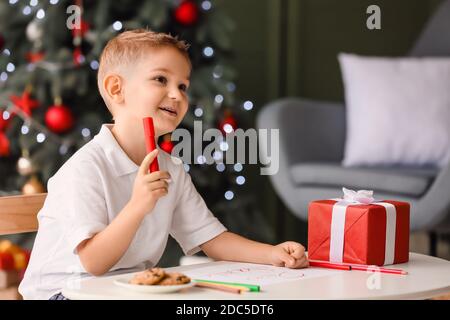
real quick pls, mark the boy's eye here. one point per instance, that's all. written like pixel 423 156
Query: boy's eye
pixel 183 87
pixel 161 79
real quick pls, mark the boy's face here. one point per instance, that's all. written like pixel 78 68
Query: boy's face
pixel 156 87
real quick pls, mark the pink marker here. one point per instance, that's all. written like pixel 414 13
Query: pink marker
pixel 149 131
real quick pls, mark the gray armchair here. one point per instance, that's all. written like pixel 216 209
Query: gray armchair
pixel 311 154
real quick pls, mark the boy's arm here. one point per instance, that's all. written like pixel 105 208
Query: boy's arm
pixel 101 252
pixel 232 247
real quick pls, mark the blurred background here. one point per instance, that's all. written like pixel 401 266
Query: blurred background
pixel 246 55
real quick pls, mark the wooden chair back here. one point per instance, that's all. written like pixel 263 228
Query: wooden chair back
pixel 18 214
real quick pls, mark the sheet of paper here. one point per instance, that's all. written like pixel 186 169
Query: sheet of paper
pixel 255 273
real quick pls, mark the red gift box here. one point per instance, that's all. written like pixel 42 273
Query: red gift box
pixel 369 234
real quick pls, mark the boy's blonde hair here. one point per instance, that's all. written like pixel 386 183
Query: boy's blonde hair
pixel 129 46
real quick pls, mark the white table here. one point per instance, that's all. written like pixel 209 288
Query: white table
pixel 428 277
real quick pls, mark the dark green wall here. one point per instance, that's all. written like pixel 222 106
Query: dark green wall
pixel 320 29
pixel 314 32
pixel 289 48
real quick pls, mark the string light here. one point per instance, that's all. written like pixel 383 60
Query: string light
pixel 34 3
pixel 40 137
pixel 40 14
pixel 25 129
pixel 117 26
pixel 220 167
pixel 217 155
pixel 26 10
pixel 218 99
pixel 86 132
pixel 63 149
pixel 238 167
pixel 201 159
pixel 10 67
pixel 186 167
pixel 54 1
pixel 198 112
pixel 3 76
pixel 240 180
pixel 248 105
pixel 229 195
pixel 206 5
pixel 208 52
pixel 6 115
pixel 227 128
pixel 94 64
pixel 223 146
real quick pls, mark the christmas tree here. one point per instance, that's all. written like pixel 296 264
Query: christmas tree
pixel 50 105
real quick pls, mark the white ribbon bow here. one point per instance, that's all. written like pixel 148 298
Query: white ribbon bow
pixel 361 196
pixel 352 198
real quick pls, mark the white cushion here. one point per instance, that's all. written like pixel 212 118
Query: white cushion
pixel 398 110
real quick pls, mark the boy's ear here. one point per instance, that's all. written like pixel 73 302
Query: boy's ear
pixel 113 85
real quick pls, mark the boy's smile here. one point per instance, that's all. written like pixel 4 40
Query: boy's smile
pixel 156 87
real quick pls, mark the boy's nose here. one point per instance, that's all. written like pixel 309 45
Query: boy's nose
pixel 175 94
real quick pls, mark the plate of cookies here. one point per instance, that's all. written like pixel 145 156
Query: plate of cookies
pixel 156 280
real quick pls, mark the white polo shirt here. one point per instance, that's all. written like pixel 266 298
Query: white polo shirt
pixel 87 193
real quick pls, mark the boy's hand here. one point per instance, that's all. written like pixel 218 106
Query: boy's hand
pixel 289 254
pixel 148 187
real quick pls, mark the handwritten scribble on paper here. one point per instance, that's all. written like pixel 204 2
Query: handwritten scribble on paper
pixel 254 273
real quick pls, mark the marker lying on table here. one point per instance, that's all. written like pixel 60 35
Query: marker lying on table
pixel 250 287
pixel 357 267
pixel 221 287
pixel 329 265
pixel 149 132
pixel 377 269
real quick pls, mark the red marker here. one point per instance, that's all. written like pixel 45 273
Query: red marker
pixel 378 269
pixel 358 267
pixel 149 131
pixel 324 264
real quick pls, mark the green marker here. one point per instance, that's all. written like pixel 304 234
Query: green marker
pixel 252 287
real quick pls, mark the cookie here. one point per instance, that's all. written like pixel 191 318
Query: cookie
pixel 149 277
pixel 174 279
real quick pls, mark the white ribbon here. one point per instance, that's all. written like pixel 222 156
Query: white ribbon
pixel 338 223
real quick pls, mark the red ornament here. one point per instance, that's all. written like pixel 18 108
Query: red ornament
pixel 4 145
pixel 78 56
pixel 59 118
pixel 25 103
pixel 187 13
pixel 6 261
pixel 82 30
pixel 167 145
pixel 227 122
pixel 34 57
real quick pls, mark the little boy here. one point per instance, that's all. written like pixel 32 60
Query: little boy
pixel 104 213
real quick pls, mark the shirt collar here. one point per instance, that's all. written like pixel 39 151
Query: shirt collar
pixel 119 160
